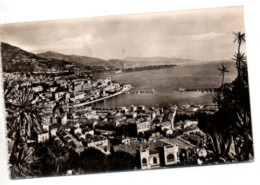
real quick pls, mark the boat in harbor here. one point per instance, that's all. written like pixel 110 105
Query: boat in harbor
pixel 118 71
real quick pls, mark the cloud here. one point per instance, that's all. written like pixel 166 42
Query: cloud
pixel 88 39
pixel 80 45
pixel 210 35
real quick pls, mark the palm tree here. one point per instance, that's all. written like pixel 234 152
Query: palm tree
pixel 224 68
pixel 239 38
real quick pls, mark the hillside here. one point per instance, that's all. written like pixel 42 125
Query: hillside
pixel 129 62
pixel 15 59
pixel 81 60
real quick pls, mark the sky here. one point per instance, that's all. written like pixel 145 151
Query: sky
pixel 204 34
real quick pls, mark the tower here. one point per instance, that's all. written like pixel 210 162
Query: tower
pixel 173 116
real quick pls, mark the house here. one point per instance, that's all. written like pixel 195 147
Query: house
pixel 107 80
pixel 75 145
pixel 142 127
pixel 133 108
pixel 77 85
pixel 79 96
pixel 37 88
pixel 91 115
pixel 163 125
pixel 97 141
pixel 131 115
pixel 77 130
pixel 53 129
pixel 59 95
pixel 128 140
pixel 87 87
pixel 53 88
pixel 190 123
pixel 89 132
pixel 42 137
pixel 141 108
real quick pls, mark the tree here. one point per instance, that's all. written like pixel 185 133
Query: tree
pixel 239 57
pixel 233 120
pixel 239 38
pixel 224 68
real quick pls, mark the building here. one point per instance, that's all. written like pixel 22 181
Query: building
pixel 143 127
pixel 171 154
pixel 149 159
pixel 37 88
pixel 42 137
pixel 163 155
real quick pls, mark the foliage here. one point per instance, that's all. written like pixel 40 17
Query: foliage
pixel 23 113
pixel 232 123
pixel 224 68
pixel 24 163
pixel 24 121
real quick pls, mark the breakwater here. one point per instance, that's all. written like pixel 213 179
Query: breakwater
pixel 140 92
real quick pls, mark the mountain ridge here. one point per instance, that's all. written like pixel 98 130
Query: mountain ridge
pixel 15 59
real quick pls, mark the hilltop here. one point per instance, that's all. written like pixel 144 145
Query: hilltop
pixel 15 59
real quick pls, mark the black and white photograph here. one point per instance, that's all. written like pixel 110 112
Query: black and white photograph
pixel 126 93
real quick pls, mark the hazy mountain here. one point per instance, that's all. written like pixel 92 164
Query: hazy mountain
pixel 82 60
pixel 128 62
pixel 15 59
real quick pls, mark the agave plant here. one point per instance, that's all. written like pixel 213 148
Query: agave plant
pixel 221 148
pixel 244 140
pixel 24 121
pixel 24 115
pixel 24 163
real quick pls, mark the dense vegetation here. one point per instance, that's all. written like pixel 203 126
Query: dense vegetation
pixel 229 130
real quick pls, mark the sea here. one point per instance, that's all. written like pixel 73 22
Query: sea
pixel 166 83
